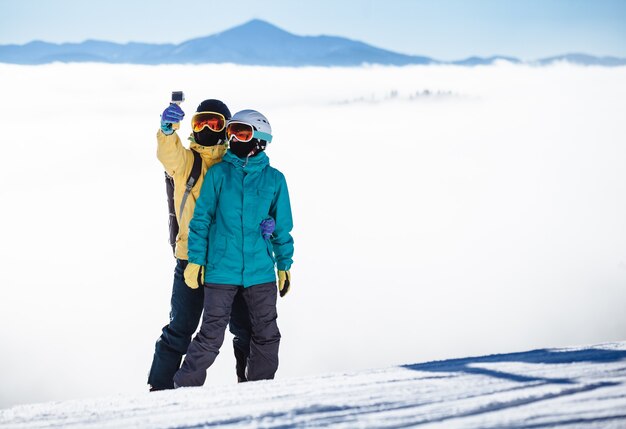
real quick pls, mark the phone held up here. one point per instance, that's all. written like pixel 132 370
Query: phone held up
pixel 177 98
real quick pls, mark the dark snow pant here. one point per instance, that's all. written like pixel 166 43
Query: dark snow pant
pixel 218 301
pixel 241 328
pixel 186 309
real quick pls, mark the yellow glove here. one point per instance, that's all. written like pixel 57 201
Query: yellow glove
pixel 284 282
pixel 194 275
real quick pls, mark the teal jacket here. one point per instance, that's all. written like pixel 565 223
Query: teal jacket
pixel 225 231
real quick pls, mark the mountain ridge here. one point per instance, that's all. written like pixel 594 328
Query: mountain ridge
pixel 256 42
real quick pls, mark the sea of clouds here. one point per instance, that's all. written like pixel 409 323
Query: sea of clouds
pixel 439 212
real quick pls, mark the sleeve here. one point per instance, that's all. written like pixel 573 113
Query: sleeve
pixel 203 216
pixel 172 154
pixel 282 241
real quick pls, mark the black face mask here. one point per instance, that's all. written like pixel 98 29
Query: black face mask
pixel 242 149
pixel 206 137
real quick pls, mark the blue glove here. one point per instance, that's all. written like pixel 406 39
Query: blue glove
pixel 171 115
pixel 267 227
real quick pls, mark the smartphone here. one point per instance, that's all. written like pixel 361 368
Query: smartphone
pixel 177 97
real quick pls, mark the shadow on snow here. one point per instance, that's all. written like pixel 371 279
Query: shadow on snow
pixel 542 356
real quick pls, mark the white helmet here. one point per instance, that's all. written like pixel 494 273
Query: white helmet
pixel 262 127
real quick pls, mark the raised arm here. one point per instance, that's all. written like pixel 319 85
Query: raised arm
pixel 170 150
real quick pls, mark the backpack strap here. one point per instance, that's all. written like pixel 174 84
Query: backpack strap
pixel 196 169
pixel 173 223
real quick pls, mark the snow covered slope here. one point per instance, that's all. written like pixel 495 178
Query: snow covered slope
pixel 576 387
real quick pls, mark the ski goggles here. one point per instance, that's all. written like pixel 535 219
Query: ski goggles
pixel 245 132
pixel 213 120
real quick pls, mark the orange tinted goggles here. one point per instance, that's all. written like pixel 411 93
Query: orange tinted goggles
pixel 245 132
pixel 242 132
pixel 213 120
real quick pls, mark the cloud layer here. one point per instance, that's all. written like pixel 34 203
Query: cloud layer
pixel 488 218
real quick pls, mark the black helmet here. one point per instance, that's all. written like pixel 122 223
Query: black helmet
pixel 207 137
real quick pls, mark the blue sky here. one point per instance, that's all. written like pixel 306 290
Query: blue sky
pixel 444 29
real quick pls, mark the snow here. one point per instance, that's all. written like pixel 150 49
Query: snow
pixel 573 387
pixel 483 218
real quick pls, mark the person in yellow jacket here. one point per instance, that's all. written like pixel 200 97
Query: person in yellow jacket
pixel 207 141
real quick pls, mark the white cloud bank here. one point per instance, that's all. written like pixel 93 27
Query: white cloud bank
pixel 487 221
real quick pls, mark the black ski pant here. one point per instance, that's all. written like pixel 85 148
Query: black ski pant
pixel 218 301
pixel 186 309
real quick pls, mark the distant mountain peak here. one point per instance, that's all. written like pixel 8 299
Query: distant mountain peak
pixel 254 26
pixel 258 23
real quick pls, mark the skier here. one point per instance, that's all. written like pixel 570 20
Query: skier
pixel 207 141
pixel 236 195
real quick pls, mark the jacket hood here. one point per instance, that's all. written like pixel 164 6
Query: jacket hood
pixel 255 163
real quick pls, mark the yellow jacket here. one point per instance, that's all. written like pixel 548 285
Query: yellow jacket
pixel 178 161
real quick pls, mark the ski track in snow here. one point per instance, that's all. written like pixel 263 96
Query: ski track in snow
pixel 576 387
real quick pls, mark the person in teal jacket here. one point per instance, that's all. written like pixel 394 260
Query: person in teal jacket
pixel 228 251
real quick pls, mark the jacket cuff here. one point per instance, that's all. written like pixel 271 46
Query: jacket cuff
pixel 283 267
pixel 196 261
pixel 162 131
